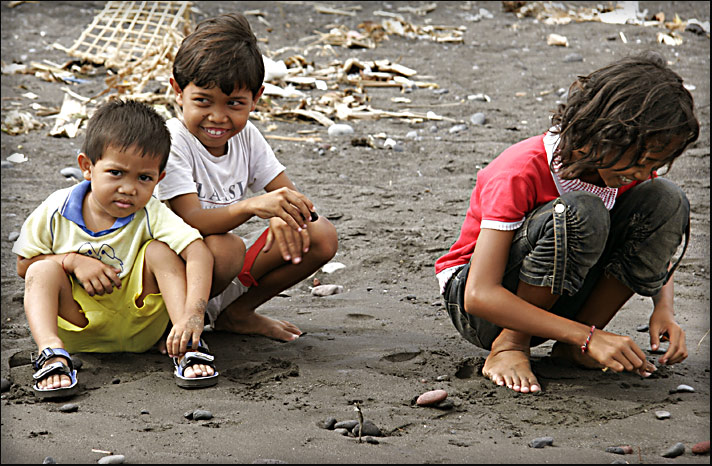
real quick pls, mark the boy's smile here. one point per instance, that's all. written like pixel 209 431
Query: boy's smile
pixel 212 116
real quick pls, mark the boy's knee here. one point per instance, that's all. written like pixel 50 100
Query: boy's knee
pixel 158 251
pixel 44 269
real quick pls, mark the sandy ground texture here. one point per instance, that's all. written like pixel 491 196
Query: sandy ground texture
pixel 387 338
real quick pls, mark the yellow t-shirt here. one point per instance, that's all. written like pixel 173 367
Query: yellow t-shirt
pixel 57 227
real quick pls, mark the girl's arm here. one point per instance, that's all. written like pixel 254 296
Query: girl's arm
pixel 662 322
pixel 282 200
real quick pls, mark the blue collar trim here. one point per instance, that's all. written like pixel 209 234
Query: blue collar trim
pixel 72 210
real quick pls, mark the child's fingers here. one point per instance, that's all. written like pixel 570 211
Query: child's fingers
pixel 306 241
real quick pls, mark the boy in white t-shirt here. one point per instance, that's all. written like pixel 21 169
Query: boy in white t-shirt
pixel 102 259
pixel 216 155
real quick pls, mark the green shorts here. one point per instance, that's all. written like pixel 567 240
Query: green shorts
pixel 116 323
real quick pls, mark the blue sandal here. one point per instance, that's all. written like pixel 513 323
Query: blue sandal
pixel 56 367
pixel 199 356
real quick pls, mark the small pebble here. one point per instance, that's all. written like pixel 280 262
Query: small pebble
pixel 398 148
pixel 342 431
pixel 478 118
pixel 371 440
pixel 5 384
pixel 112 459
pixel 702 448
pixel 444 404
pixel 69 408
pixel 541 442
pixel 145 411
pixel 116 381
pixel 326 290
pixel 369 428
pixel 188 415
pixel 202 415
pixel 573 57
pixel 348 425
pixel 433 129
pixel 49 460
pixel 78 363
pixel 13 235
pixel 6 164
pixel 327 423
pixel 431 397
pixel 682 388
pixel 642 328
pixel 457 129
pixel 412 135
pixel 340 129
pixel 675 451
pixel 72 172
pixel 622 450
pixel 442 378
pixel 440 91
pixel 662 414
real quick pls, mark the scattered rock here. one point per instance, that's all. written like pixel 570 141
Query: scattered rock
pixel 78 363
pixel 5 164
pixel 369 428
pixel 340 129
pixel 112 459
pixel 682 388
pixel 72 172
pixel 622 450
pixel 431 397
pixel 327 423
pixel 188 415
pixel 49 460
pixel 348 425
pixel 440 91
pixel 573 57
pixel 5 385
pixel 457 129
pixel 116 381
pixel 642 328
pixel 326 290
pixel 202 415
pixel 412 135
pixel 13 235
pixel 675 451
pixel 480 97
pixel 662 414
pixel 444 404
pixel 701 448
pixel 69 408
pixel 145 411
pixel 478 118
pixel 398 148
pixel 342 431
pixel 442 378
pixel 541 442
pixel 369 439
pixel 332 267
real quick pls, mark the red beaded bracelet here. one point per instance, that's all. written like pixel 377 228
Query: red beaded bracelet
pixel 584 347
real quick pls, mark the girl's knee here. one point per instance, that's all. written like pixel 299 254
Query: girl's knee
pixel 587 219
pixel 324 239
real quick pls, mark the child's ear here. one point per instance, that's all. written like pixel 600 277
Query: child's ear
pixel 85 165
pixel 256 97
pixel 162 175
pixel 178 91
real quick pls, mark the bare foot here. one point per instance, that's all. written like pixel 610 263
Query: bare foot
pixel 56 380
pixel 508 364
pixel 257 324
pixel 573 354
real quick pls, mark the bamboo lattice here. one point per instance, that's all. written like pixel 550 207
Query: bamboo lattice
pixel 137 40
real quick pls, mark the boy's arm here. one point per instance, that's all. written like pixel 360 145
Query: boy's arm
pixel 662 322
pixel 282 200
pixel 188 326
pixel 94 276
pixel 487 298
pixel 24 263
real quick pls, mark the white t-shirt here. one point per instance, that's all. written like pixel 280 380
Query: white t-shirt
pixel 218 181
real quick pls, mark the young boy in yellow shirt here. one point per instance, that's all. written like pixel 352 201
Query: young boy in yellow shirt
pixel 216 155
pixel 102 259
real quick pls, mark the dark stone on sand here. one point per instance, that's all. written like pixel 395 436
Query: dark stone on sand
pixel 573 57
pixel 642 328
pixel 444 404
pixel 112 459
pixel 348 425
pixel 49 460
pixel 702 448
pixel 662 414
pixel 145 411
pixel 202 415
pixel 327 423
pixel 188 415
pixel 341 431
pixel 541 442
pixel 5 384
pixel 78 363
pixel 675 451
pixel 616 450
pixel 370 440
pixel 369 428
pixel 69 408
pixel 116 381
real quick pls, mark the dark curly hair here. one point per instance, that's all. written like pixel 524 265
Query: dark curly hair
pixel 635 102
pixel 124 124
pixel 223 52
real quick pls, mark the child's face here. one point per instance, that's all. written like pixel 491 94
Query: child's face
pixel 213 117
pixel 122 182
pixel 651 160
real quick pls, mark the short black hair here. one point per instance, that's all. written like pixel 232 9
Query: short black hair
pixel 127 123
pixel 223 52
pixel 635 102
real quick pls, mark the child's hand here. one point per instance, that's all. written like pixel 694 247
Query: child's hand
pixel 95 276
pixel 291 244
pixel 291 206
pixel 663 325
pixel 184 331
pixel 618 353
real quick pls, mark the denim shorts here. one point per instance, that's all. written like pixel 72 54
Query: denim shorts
pixel 568 243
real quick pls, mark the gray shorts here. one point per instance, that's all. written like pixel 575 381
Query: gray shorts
pixel 568 243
